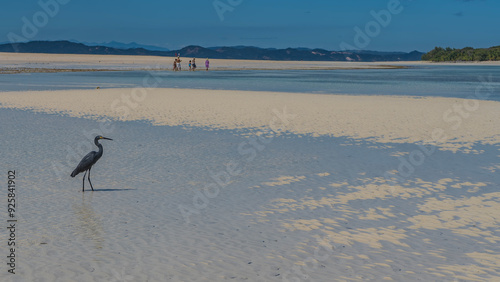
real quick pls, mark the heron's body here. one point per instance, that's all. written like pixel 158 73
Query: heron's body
pixel 88 161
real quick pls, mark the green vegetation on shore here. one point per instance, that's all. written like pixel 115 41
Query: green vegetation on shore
pixel 466 54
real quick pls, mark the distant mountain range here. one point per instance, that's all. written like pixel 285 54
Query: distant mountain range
pixel 119 45
pixel 238 52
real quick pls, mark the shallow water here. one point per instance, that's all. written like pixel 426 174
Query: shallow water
pixel 267 220
pixel 131 227
pixel 437 81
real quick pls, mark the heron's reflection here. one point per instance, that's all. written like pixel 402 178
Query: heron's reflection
pixel 88 224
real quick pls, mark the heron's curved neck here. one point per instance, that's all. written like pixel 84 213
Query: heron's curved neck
pixel 99 146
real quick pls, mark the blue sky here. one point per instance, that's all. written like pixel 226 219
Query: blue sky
pixel 419 24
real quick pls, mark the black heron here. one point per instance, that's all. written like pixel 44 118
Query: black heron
pixel 88 161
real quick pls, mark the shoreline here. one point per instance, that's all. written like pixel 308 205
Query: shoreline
pixel 13 63
pixel 383 119
pixel 216 69
pixel 30 63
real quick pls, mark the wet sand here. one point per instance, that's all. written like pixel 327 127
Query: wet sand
pixel 223 185
pixel 448 123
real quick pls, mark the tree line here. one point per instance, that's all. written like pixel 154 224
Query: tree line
pixel 466 54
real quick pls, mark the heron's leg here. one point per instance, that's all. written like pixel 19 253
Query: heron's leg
pixel 89 180
pixel 83 182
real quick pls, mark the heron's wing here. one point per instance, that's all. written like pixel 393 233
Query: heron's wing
pixel 86 162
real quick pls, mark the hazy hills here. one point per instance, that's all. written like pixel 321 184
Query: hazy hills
pixel 238 52
pixel 119 45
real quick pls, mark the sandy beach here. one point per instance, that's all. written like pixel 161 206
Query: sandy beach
pixel 209 185
pixel 381 119
pixel 26 62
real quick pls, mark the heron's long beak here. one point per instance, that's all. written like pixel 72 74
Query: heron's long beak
pixel 106 138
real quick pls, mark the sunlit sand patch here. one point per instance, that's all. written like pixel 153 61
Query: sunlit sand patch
pixel 285 205
pixel 380 147
pixel 490 199
pixel 436 253
pixel 263 213
pixel 449 217
pixel 303 224
pixel 285 200
pixel 491 260
pixel 427 240
pixel 468 272
pixel 284 180
pixel 343 256
pixel 474 217
pixel 430 186
pixel 399 154
pixel 425 221
pixel 387 211
pixel 444 181
pixel 376 119
pixel 371 214
pixel 303 203
pixel 471 151
pixel 374 191
pixel 369 236
pixel 493 168
pixel 468 184
pixel 467 216
pixel 339 184
pixel 476 232
pixel 377 213
pixel 417 188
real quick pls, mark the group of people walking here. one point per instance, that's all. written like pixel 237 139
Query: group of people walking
pixel 192 64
